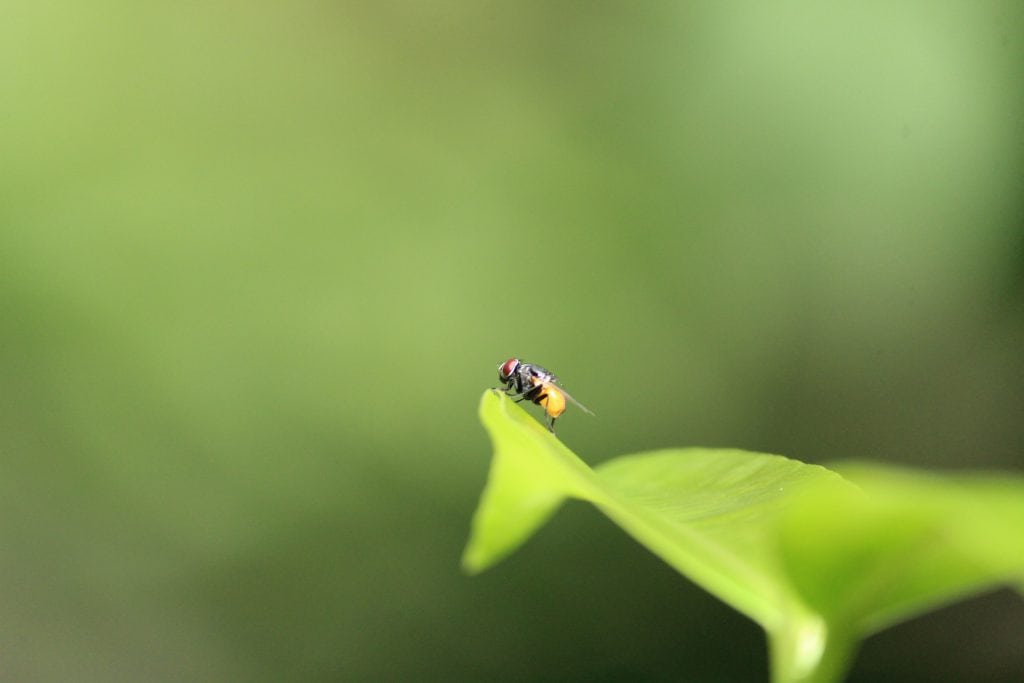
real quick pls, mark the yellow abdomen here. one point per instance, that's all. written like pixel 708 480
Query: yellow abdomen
pixel 553 401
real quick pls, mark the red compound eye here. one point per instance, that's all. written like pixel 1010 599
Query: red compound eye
pixel 506 369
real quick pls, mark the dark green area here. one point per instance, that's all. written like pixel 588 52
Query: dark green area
pixel 258 261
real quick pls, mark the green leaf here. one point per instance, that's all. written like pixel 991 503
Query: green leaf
pixel 819 562
pixel 913 542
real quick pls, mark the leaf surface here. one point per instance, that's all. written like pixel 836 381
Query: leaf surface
pixel 818 560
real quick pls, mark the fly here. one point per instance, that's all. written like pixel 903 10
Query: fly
pixel 534 383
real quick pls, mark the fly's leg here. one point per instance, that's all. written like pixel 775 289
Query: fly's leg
pixel 514 396
pixel 525 395
pixel 511 393
pixel 551 419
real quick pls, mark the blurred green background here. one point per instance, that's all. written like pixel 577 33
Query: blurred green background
pixel 258 261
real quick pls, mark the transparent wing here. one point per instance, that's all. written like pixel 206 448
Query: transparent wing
pixel 579 405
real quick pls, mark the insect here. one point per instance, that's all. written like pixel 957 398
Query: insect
pixel 534 383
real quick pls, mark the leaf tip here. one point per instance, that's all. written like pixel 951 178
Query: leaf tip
pixel 473 561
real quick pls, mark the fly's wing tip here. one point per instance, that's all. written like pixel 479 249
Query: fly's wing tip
pixel 579 405
pixel 582 407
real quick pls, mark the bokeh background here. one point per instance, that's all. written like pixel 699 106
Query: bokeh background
pixel 258 261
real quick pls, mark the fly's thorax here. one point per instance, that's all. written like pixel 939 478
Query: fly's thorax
pixel 541 375
pixel 521 382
